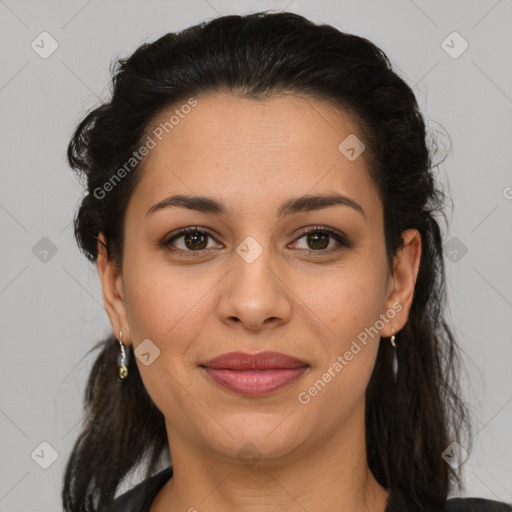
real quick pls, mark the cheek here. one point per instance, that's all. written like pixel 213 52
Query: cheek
pixel 349 308
pixel 163 308
pixel 349 299
pixel 161 300
pixel 349 302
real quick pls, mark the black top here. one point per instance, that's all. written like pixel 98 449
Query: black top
pixel 140 498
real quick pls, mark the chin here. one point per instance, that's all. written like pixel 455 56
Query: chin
pixel 253 436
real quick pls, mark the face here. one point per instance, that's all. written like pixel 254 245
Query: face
pixel 309 280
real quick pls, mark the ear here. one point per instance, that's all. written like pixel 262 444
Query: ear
pixel 406 265
pixel 113 291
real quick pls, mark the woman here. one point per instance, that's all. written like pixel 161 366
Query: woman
pixel 262 212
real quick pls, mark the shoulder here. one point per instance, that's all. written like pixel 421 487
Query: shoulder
pixel 139 498
pixel 476 505
pixel 401 503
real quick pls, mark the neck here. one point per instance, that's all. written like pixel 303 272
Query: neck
pixel 330 476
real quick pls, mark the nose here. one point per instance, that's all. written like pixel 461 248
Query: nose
pixel 254 295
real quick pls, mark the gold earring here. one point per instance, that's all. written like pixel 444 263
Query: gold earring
pixel 392 339
pixel 122 360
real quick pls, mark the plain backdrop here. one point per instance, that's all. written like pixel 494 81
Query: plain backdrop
pixel 50 298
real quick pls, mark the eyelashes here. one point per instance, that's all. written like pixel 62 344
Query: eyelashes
pixel 311 235
pixel 189 234
pixel 321 236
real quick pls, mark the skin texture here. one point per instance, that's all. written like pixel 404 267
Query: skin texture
pixel 253 155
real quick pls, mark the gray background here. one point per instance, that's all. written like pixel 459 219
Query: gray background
pixel 51 305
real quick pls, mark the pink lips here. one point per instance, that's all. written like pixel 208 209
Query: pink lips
pixel 254 374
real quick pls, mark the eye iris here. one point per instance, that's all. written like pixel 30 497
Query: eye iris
pixel 194 239
pixel 318 238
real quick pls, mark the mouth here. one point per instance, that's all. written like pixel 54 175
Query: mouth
pixel 254 374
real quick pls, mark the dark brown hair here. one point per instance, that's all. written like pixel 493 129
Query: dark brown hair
pixel 409 423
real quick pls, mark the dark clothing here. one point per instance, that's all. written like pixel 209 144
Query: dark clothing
pixel 140 498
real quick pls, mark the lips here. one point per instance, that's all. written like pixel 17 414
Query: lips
pixel 254 374
pixel 260 361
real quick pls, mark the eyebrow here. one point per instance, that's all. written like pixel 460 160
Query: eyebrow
pixel 210 205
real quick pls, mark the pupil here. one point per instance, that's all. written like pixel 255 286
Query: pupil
pixel 314 239
pixel 194 239
pixel 318 241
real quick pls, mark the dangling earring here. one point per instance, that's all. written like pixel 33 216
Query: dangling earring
pixel 122 360
pixel 395 360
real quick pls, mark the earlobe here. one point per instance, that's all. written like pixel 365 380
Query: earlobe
pixel 112 290
pixel 405 273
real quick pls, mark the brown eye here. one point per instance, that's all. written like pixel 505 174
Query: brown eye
pixel 195 241
pixel 190 241
pixel 319 240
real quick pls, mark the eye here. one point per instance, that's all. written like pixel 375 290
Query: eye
pixel 195 241
pixel 319 238
pixel 190 241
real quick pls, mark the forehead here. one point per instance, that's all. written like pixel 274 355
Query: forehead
pixel 254 151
